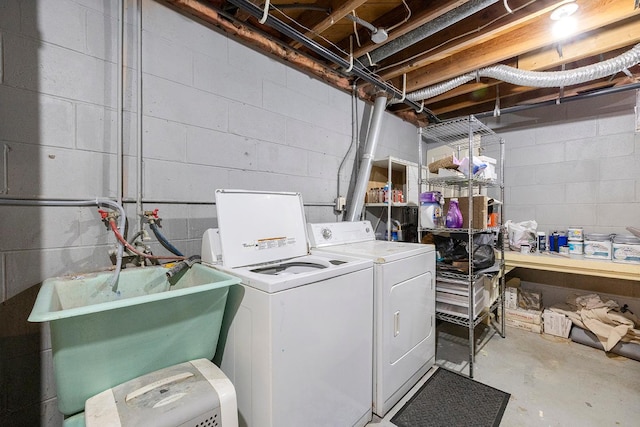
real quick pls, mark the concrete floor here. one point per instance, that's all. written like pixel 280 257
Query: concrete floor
pixel 552 381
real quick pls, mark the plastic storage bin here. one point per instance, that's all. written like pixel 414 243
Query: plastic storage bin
pixel 101 339
pixel 626 249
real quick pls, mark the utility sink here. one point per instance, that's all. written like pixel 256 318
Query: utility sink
pixel 101 338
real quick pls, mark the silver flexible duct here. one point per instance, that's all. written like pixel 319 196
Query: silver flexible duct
pixel 537 78
pixel 354 209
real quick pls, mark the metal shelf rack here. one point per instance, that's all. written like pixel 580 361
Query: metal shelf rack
pixel 470 137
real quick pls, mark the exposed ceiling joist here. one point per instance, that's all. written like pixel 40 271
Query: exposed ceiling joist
pixel 489 37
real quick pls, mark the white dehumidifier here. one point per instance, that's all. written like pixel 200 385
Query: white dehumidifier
pixel 195 393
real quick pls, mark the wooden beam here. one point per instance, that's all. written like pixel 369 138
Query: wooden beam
pixel 334 17
pixel 250 36
pixel 450 41
pixel 595 14
pixel 619 36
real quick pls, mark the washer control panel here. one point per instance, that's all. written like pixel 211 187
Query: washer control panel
pixel 338 233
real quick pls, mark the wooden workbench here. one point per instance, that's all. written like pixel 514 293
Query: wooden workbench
pixel 574 264
pixel 575 271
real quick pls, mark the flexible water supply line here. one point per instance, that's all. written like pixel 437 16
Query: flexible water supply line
pixel 113 282
pixel 537 78
pixel 122 240
pixel 163 241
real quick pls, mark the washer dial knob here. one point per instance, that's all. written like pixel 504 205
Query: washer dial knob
pixel 326 233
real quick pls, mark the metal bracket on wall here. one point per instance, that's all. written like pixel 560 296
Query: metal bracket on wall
pixel 5 165
pixel 637 108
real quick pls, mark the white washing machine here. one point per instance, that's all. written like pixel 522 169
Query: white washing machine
pixel 404 304
pixel 299 342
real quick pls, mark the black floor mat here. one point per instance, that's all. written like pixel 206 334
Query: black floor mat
pixel 449 399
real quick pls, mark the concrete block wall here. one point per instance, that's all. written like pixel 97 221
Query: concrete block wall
pixel 573 164
pixel 216 114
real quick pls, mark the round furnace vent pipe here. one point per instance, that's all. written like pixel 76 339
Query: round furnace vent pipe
pixel 354 209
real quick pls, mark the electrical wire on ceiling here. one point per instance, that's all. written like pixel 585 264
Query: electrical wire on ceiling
pixel 305 29
pixel 359 70
pixel 404 21
pixel 451 40
pixel 351 59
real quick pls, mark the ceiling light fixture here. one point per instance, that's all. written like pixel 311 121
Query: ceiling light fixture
pixel 565 23
pixel 378 35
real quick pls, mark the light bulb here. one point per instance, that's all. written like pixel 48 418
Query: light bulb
pixel 564 27
pixel 564 11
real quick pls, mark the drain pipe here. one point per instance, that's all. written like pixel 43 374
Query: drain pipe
pixel 357 200
pixel 428 29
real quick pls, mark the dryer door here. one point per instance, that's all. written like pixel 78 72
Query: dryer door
pixel 405 327
pixel 409 317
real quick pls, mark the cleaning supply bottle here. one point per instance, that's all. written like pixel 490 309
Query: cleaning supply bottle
pixel 454 216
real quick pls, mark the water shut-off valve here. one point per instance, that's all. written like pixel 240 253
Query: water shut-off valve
pixel 107 217
pixel 151 217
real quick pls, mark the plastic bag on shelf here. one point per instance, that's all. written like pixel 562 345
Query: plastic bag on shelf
pixel 521 233
pixel 453 250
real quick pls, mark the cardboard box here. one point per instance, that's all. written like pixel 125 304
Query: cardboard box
pixel 556 324
pixel 521 315
pixel 531 327
pixel 511 297
pixel 491 289
pixel 480 211
pixel 529 300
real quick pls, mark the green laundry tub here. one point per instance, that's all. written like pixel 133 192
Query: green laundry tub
pixel 101 339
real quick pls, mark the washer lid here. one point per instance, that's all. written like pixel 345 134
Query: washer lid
pixel 258 226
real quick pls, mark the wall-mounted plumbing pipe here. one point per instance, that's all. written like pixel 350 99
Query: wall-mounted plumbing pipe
pixel 139 179
pixel 354 135
pixel 113 283
pixel 588 95
pixel 354 209
pixel 130 247
pixel 120 103
pixel 537 78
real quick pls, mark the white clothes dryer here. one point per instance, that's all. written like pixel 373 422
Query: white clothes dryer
pixel 299 329
pixel 404 304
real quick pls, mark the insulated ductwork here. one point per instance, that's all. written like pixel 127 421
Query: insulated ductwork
pixel 428 29
pixel 537 78
pixel 354 209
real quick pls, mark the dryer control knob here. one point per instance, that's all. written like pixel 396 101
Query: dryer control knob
pixel 326 233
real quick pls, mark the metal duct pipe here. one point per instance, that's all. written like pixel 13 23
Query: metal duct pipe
pixel 538 78
pixel 354 209
pixel 428 29
pixel 579 97
pixel 357 69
